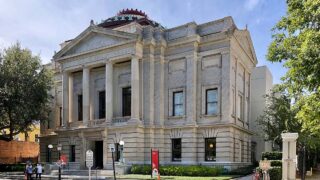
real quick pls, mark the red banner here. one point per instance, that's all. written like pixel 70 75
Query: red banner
pixel 63 159
pixel 155 161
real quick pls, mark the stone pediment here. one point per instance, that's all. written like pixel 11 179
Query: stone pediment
pixel 244 38
pixel 94 38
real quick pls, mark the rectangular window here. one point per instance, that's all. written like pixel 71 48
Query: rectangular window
pixel 80 107
pixel 178 103
pixel 48 158
pixel 240 107
pixel 126 101
pixel 176 149
pixel 117 152
pixel 211 101
pixel 241 150
pixel 60 117
pixel 72 153
pixel 210 149
pixel 102 104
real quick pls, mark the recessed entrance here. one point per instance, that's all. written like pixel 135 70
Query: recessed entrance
pixel 98 154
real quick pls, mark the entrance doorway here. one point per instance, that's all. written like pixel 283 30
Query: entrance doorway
pixel 98 154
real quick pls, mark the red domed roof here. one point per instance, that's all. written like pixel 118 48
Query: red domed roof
pixel 127 16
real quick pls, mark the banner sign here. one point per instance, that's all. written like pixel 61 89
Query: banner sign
pixel 63 159
pixel 155 162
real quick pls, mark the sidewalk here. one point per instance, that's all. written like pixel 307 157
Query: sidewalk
pixel 49 177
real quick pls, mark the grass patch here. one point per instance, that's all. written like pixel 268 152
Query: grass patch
pixel 148 177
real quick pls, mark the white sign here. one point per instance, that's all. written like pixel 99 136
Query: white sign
pixel 155 173
pixel 265 165
pixel 111 147
pixel 89 159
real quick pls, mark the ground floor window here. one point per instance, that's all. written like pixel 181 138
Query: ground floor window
pixel 72 153
pixel 117 152
pixel 48 158
pixel 210 149
pixel 176 149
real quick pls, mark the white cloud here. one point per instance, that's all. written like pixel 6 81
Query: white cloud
pixel 251 4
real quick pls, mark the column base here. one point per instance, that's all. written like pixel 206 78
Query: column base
pixel 135 121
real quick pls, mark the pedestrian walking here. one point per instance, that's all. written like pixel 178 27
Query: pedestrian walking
pixel 29 171
pixel 39 171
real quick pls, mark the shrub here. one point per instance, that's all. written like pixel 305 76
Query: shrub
pixel 171 170
pixel 275 173
pixel 140 169
pixel 12 167
pixel 275 163
pixel 242 171
pixel 274 155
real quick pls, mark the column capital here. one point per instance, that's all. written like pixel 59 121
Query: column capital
pixel 289 136
pixel 136 56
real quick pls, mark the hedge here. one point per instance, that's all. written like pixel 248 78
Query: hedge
pixel 12 167
pixel 241 171
pixel 274 155
pixel 276 163
pixel 171 170
pixel 275 173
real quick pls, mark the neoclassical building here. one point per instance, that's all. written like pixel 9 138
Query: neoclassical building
pixel 184 91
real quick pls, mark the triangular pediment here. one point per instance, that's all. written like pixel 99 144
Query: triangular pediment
pixel 244 38
pixel 94 38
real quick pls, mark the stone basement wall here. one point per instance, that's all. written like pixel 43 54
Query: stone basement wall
pixel 18 151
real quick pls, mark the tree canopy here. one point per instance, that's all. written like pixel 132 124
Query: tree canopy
pixel 279 116
pixel 296 42
pixel 24 91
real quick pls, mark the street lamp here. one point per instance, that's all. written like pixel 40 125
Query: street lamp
pixel 59 148
pixel 49 155
pixel 121 143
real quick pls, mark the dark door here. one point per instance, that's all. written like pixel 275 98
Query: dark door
pixel 98 154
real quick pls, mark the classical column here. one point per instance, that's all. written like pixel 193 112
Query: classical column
pixel 135 84
pixel 109 94
pixel 65 98
pixel 289 141
pixel 85 95
pixel 70 98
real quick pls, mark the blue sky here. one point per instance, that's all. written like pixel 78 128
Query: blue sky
pixel 42 25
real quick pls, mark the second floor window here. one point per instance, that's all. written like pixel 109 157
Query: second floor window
pixel 102 104
pixel 126 101
pixel 80 107
pixel 211 101
pixel 178 103
pixel 240 107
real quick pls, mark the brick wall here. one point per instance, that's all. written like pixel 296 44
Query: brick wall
pixel 18 151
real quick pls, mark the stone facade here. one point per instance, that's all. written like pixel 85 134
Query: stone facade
pixel 155 62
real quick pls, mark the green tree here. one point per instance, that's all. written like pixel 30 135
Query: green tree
pixel 279 116
pixel 296 42
pixel 24 91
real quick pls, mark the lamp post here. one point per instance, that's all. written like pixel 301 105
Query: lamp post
pixel 49 155
pixel 121 143
pixel 59 148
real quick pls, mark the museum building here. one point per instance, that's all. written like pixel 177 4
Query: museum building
pixel 183 90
